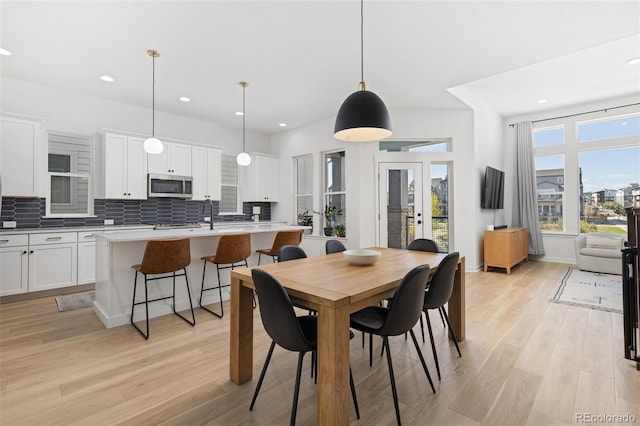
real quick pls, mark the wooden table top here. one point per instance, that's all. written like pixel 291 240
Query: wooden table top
pixel 332 281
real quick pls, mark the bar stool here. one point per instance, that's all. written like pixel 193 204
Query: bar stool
pixel 162 257
pixel 232 249
pixel 283 238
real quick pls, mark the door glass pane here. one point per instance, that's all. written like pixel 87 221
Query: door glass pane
pixel 400 207
pixel 440 206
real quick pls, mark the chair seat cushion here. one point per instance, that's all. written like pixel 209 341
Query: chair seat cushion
pixel 267 251
pixel 369 319
pixel 600 252
pixel 607 243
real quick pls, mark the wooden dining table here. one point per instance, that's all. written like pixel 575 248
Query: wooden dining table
pixel 335 289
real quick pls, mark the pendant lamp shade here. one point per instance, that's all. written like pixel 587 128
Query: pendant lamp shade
pixel 243 159
pixel 153 145
pixel 363 117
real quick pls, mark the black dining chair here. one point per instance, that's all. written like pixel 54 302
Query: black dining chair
pixel 397 319
pixel 293 333
pixel 290 252
pixel 424 244
pixel 438 294
pixel 334 246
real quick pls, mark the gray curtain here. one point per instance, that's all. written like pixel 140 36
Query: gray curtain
pixel 525 195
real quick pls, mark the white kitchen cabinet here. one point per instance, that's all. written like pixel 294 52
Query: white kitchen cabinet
pixel 20 151
pixel 125 167
pixel 260 179
pixel 175 159
pixel 52 260
pixel 14 264
pixel 205 166
pixel 87 257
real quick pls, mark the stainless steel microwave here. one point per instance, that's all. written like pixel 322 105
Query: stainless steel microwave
pixel 169 186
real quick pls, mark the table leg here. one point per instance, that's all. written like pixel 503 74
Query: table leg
pixel 241 333
pixel 334 394
pixel 457 303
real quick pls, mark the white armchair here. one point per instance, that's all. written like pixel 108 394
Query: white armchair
pixel 599 252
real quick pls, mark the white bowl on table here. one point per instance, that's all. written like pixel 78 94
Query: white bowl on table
pixel 361 257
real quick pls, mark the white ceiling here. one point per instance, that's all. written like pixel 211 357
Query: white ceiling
pixel 301 58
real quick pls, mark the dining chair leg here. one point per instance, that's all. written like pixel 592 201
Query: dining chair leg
pixel 264 370
pixel 193 316
pixel 433 346
pixel 133 305
pixel 202 290
pixel 441 317
pixel 371 350
pixel 422 327
pixel 424 364
pixel 453 335
pixel 294 407
pixel 353 394
pixel 385 343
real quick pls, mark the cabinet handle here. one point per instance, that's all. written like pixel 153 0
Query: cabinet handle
pixel 4 241
pixel 54 238
pixel 89 236
pixel 24 252
pixel 30 251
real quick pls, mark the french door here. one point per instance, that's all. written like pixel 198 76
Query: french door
pixel 400 201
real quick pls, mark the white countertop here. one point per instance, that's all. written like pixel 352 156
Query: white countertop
pixel 145 235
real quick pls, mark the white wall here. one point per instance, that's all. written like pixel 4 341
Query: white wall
pixel 361 174
pixel 70 112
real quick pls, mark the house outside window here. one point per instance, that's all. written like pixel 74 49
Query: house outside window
pixel 69 169
pixel 229 187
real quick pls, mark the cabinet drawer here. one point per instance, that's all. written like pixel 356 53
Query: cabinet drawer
pixel 87 236
pixel 53 238
pixel 13 240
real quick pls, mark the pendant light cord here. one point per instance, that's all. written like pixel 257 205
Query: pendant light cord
pixel 243 116
pixel 362 43
pixel 153 98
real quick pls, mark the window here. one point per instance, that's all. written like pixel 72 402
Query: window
pixel 435 145
pixel 69 171
pixel 334 193
pixel 609 128
pixel 548 136
pixel 303 167
pixel 550 189
pixel 230 194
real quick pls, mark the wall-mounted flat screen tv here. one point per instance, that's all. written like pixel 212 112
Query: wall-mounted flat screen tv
pixel 492 189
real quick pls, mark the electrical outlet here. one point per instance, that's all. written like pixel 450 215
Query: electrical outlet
pixel 207 218
pixel 108 221
pixel 256 209
pixel 9 224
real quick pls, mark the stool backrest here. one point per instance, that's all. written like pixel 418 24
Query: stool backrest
pixel 290 252
pixel 334 246
pixel 441 284
pixel 406 307
pixel 163 256
pixel 286 238
pixel 233 248
pixel 278 317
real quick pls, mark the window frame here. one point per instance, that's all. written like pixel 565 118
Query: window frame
pixel 296 194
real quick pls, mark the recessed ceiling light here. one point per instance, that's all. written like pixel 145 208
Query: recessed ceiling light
pixel 4 52
pixel 542 101
pixel 107 78
pixel 239 113
pixel 282 124
pixel 634 61
pixel 185 99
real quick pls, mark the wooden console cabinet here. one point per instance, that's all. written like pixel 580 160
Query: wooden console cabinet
pixel 505 248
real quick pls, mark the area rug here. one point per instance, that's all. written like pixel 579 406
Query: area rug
pixel 75 301
pixel 590 289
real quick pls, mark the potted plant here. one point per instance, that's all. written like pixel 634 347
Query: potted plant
pixel 305 219
pixel 329 214
pixel 341 230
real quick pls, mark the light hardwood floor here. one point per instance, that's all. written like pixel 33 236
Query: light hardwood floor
pixel 525 361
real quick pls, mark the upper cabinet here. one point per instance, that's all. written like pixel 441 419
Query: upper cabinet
pixel 175 159
pixel 20 150
pixel 260 179
pixel 205 167
pixel 125 167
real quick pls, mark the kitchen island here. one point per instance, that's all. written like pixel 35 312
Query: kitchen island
pixel 117 251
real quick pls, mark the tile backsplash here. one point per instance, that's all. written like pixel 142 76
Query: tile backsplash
pixel 29 212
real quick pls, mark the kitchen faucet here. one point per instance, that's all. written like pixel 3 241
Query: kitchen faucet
pixel 204 206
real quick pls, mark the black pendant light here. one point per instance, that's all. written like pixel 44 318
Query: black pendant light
pixel 363 116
